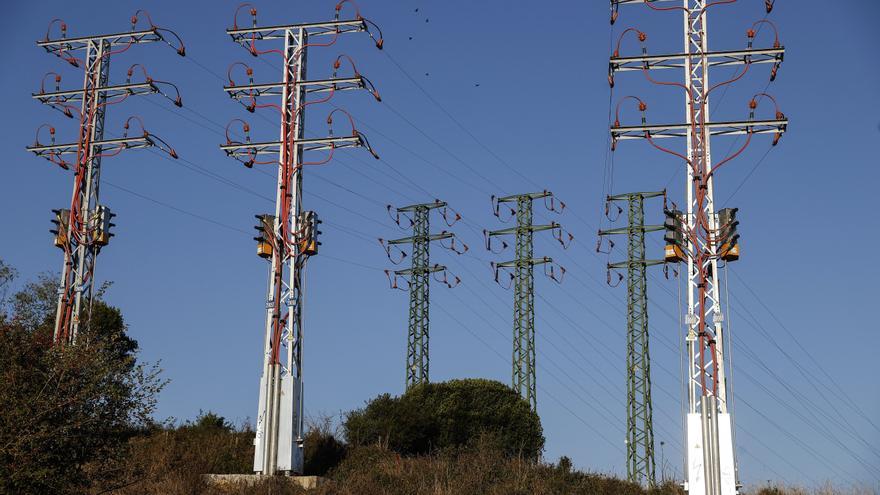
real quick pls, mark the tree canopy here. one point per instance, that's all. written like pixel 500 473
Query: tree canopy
pixel 66 411
pixel 453 414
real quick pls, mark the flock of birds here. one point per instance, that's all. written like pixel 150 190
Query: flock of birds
pixel 427 20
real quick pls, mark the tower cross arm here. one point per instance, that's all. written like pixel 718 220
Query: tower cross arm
pixel 525 262
pixel 81 43
pixel 524 228
pixel 315 86
pixel 71 148
pixel 714 128
pixel 247 35
pixel 420 271
pixel 627 264
pixel 643 195
pixel 422 206
pixel 136 89
pixel 428 238
pixel 273 147
pixel 713 59
pixel 631 229
pixel 516 197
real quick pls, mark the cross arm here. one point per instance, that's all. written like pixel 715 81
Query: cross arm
pixel 429 238
pixel 419 271
pixel 629 230
pixel 714 128
pixel 274 147
pixel 533 261
pixel 316 86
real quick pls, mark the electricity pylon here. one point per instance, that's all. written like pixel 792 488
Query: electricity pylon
pixel 84 228
pixel 418 280
pixel 523 280
pixel 711 461
pixel 279 430
pixel 640 466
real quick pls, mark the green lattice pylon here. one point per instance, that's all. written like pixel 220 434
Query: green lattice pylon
pixel 640 465
pixel 523 276
pixel 419 281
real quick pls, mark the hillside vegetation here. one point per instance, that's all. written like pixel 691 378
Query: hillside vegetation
pixel 78 420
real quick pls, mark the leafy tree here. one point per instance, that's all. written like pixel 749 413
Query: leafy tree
pixel 67 412
pixel 447 416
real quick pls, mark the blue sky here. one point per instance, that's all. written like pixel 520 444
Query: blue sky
pixel 488 98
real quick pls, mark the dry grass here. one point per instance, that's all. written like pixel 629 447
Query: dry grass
pixel 171 462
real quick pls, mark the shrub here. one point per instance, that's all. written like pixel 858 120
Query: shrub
pixel 322 450
pixel 67 412
pixel 448 415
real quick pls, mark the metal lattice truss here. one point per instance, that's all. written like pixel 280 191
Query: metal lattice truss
pixel 61 47
pixel 523 367
pixel 640 463
pixel 419 281
pixel 317 86
pixel 279 428
pixel 714 59
pixel 92 54
pixel 58 150
pixel 711 458
pixel 245 150
pixel 712 129
pixel 246 36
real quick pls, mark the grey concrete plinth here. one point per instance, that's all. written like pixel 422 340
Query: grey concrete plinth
pixel 219 480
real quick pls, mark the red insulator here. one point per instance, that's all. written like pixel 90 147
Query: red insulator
pixel 254 12
pixel 750 33
pixel 642 36
pixel 753 104
pixel 642 106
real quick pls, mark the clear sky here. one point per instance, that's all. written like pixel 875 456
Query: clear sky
pixel 488 98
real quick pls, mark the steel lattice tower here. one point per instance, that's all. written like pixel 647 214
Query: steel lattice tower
pixel 523 375
pixel 711 463
pixel 640 465
pixel 83 229
pixel 418 278
pixel 279 429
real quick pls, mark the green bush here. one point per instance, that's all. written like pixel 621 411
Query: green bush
pixel 67 413
pixel 448 415
pixel 322 450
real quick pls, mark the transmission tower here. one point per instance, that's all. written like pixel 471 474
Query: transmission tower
pixel 289 237
pixel 522 277
pixel 711 463
pixel 418 279
pixel 640 466
pixel 84 228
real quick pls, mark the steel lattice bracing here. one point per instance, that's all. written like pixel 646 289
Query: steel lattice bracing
pixel 418 278
pixel 523 359
pixel 523 365
pixel 279 429
pixel 640 463
pixel 417 342
pixel 83 232
pixel 711 464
